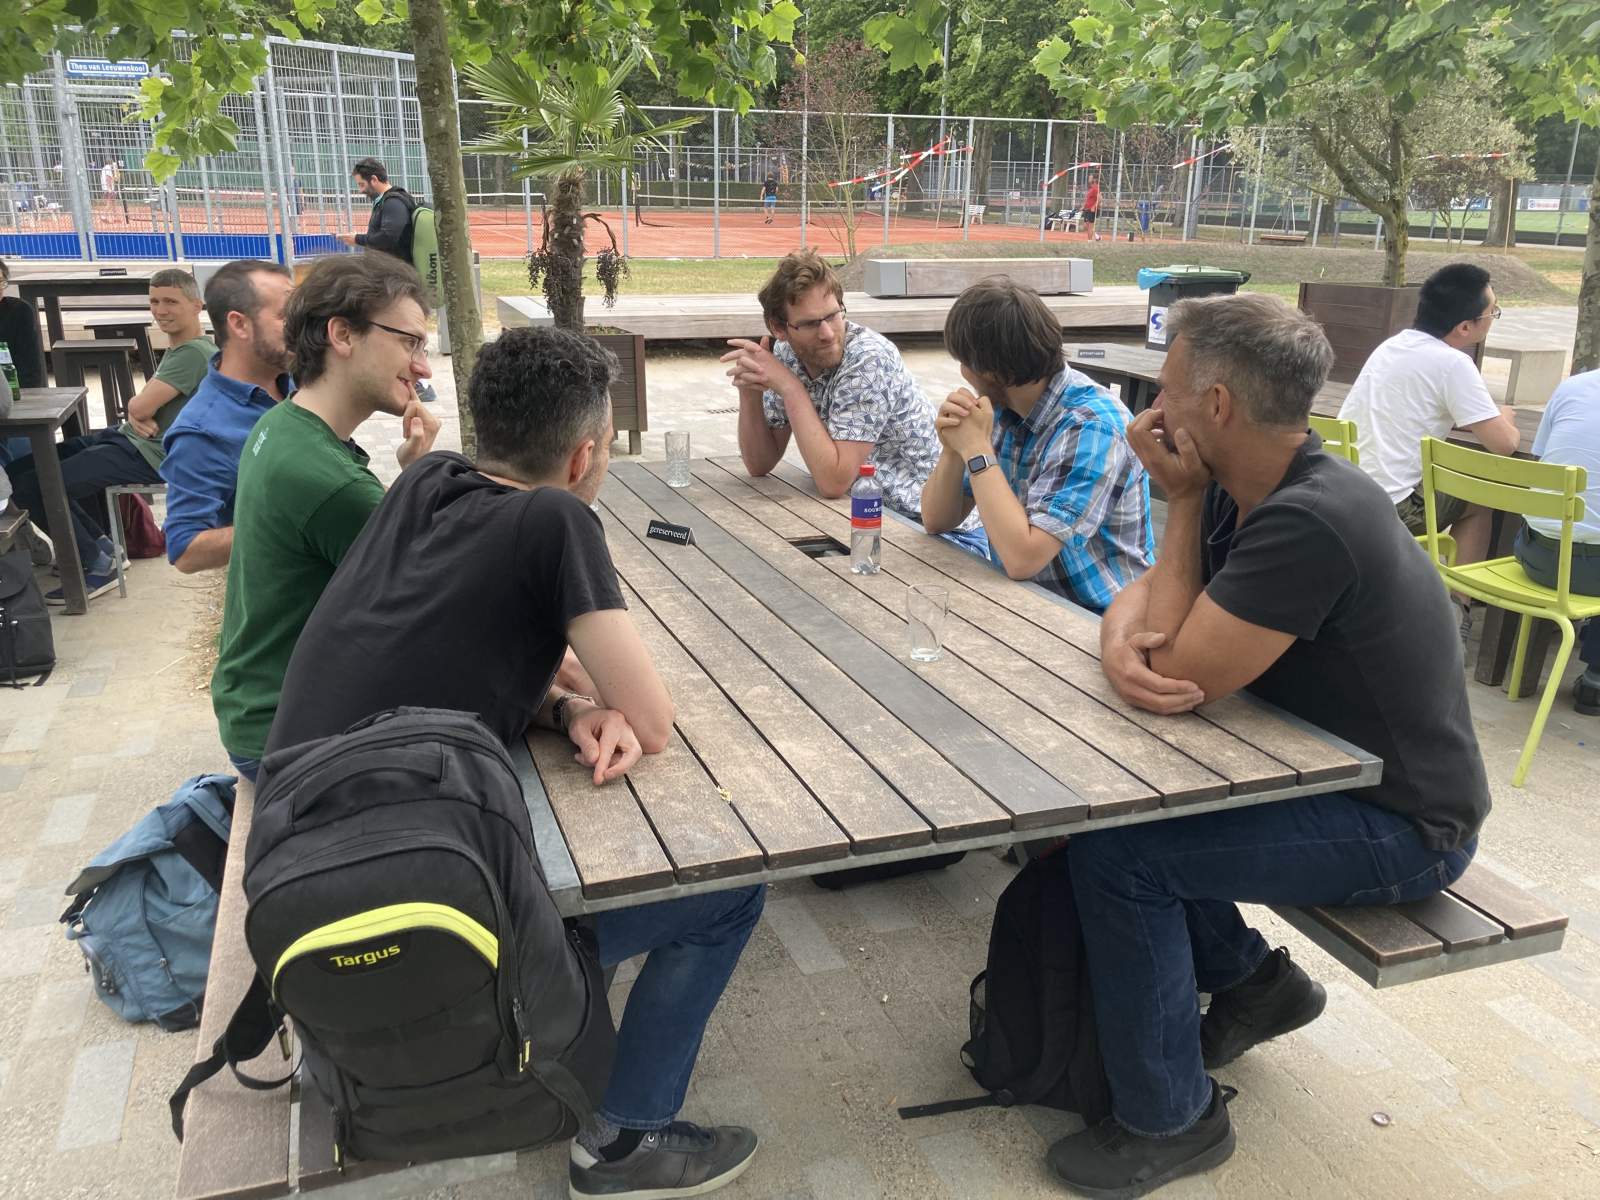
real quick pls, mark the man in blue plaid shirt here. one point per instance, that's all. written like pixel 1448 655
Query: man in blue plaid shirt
pixel 1040 449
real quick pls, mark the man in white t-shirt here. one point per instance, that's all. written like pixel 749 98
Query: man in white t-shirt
pixel 1421 383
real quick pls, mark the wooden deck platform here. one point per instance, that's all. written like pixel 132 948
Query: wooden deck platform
pixel 722 315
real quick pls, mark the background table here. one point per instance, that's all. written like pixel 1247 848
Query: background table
pixel 47 290
pixel 807 741
pixel 1135 371
pixel 36 415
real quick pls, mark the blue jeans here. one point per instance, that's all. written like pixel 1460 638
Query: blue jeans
pixel 693 944
pixel 1160 924
pixel 248 767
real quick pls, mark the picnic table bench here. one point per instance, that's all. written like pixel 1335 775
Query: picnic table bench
pixel 805 741
pixel 1282 239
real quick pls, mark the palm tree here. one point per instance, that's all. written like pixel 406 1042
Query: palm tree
pixel 567 128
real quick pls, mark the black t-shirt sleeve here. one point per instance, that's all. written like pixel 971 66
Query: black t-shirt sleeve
pixel 1287 570
pixel 564 554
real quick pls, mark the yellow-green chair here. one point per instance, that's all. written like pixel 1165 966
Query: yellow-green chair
pixel 1533 489
pixel 1338 437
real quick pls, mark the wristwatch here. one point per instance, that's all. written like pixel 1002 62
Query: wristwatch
pixel 558 711
pixel 981 463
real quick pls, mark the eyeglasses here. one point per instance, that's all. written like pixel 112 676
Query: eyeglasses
pixel 809 327
pixel 1492 315
pixel 415 346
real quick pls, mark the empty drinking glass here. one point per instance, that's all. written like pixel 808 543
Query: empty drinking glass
pixel 678 458
pixel 925 612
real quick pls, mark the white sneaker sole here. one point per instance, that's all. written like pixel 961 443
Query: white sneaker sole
pixel 704 1189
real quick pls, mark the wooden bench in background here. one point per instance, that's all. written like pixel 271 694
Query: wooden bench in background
pixel 1281 239
pixel 1479 920
pixel 72 358
pixel 629 411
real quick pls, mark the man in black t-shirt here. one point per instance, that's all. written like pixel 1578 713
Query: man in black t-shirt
pixel 1281 572
pixel 464 591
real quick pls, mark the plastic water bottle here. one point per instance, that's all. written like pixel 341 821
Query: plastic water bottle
pixel 866 521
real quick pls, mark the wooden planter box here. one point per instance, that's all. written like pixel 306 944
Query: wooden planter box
pixel 628 409
pixel 1357 318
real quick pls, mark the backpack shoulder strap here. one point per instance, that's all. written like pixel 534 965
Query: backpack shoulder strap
pixel 251 1027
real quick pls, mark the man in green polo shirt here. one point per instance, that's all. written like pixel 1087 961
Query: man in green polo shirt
pixel 357 329
pixel 130 453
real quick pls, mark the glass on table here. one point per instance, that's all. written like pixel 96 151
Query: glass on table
pixel 677 458
pixel 926 607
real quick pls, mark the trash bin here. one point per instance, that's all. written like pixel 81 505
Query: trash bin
pixel 1168 285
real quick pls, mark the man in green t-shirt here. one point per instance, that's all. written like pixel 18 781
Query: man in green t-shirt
pixel 357 328
pixel 130 453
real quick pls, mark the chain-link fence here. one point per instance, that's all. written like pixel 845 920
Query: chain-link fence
pixel 73 185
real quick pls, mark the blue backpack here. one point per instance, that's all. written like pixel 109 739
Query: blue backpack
pixel 144 910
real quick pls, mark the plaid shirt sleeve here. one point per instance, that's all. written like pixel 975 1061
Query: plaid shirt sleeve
pixel 1071 494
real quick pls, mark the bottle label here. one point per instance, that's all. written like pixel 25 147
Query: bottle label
pixel 5 355
pixel 866 512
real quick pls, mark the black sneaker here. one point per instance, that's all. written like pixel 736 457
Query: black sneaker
pixel 1108 1162
pixel 1285 998
pixel 1586 695
pixel 683 1159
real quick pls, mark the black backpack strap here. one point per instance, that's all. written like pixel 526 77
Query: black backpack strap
pixel 253 1024
pixel 940 1107
pixel 564 1086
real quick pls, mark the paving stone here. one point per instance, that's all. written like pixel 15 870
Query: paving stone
pixel 67 819
pixel 841 1179
pixel 22 951
pixel 960 1164
pixel 882 906
pixel 11 776
pixel 97 1095
pixel 1545 1028
pixel 87 685
pixel 801 936
pixel 59 1007
pixel 36 906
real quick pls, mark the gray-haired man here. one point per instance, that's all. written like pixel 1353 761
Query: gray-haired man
pixel 1282 571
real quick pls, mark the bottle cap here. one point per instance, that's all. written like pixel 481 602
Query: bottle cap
pixel 869 468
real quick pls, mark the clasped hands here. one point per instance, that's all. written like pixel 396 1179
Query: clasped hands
pixel 965 424
pixel 753 365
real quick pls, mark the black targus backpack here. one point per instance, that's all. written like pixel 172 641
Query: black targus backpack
pixel 1031 1014
pixel 397 915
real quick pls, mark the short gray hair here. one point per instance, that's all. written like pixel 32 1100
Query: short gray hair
pixel 1273 358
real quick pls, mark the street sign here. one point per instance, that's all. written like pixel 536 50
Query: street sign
pixel 104 68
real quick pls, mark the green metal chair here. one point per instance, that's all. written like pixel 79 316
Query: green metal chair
pixel 1338 437
pixel 1531 489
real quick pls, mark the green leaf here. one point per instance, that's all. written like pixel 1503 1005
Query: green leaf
pixel 162 166
pixel 370 11
pixel 286 28
pixel 1085 28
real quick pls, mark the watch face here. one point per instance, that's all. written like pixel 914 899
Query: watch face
pixel 979 463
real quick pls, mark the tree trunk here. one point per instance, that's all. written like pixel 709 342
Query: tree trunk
pixel 1586 345
pixel 441 138
pixel 982 161
pixel 1396 239
pixel 563 276
pixel 1502 229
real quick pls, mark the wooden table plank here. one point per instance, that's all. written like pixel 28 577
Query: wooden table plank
pixel 1097 779
pixel 814 714
pixel 1457 925
pixel 1050 722
pixel 1257 730
pixel 612 844
pixel 236 1141
pixel 1033 797
pixel 1200 754
pixel 787 823
pixel 1381 934
pixel 869 811
pixel 1522 915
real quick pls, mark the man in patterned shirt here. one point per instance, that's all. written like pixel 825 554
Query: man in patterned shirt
pixel 840 390
pixel 1041 450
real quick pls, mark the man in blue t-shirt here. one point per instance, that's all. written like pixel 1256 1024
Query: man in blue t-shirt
pixel 248 376
pixel 1569 434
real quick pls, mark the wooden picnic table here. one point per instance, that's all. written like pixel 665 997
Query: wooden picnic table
pixel 36 414
pixel 47 290
pixel 807 741
pixel 1135 370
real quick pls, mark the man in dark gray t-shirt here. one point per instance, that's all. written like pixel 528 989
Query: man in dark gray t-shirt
pixel 1281 573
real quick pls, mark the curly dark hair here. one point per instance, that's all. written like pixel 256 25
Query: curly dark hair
pixel 1003 331
pixel 536 394
pixel 354 286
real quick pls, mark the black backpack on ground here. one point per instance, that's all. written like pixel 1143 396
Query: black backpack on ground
pixel 27 646
pixel 1031 1013
pixel 397 913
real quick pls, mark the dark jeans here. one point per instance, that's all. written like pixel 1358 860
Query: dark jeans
pixel 89 465
pixel 1538 555
pixel 1160 923
pixel 693 945
pixel 248 767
